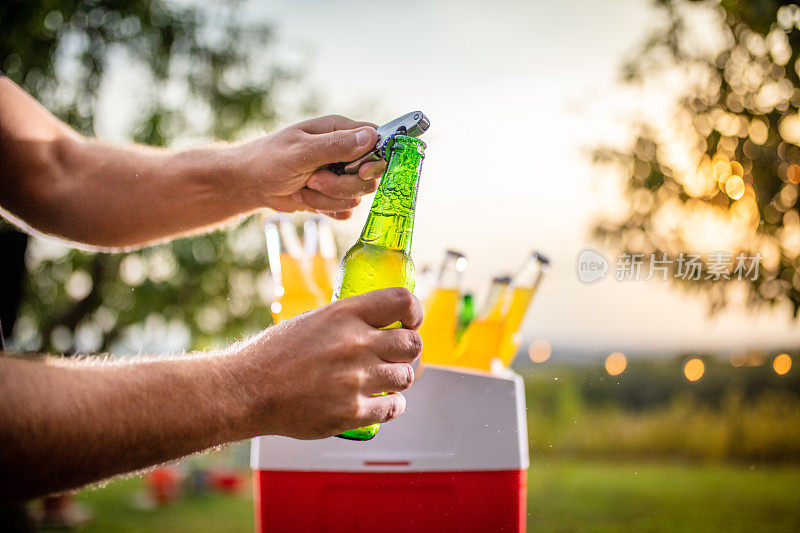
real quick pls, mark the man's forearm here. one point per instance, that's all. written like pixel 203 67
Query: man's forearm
pixel 117 197
pixel 65 424
pixel 61 183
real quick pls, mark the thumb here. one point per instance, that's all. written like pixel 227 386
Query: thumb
pixel 342 145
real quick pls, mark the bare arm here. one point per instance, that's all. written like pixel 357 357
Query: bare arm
pixel 66 424
pixel 60 183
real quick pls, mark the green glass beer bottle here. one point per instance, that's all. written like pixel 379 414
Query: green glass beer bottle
pixel 380 259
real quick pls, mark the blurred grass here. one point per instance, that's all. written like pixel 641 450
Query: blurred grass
pixel 636 496
pixel 562 496
pixel 115 509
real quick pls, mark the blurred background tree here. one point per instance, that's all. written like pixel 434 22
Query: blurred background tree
pixel 729 161
pixel 202 72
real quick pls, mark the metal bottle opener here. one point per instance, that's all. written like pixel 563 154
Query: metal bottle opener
pixel 412 124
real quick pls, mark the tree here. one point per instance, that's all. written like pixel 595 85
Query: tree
pixel 727 166
pixel 195 62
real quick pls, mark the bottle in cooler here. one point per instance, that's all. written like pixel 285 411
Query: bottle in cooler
pixel 481 341
pixel 438 330
pixel 522 289
pixel 293 285
pixel 320 247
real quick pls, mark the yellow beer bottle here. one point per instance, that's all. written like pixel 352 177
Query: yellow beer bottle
pixel 320 246
pixel 438 329
pixel 380 259
pixel 523 288
pixel 295 291
pixel 480 343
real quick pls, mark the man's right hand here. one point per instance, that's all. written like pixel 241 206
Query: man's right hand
pixel 75 422
pixel 315 375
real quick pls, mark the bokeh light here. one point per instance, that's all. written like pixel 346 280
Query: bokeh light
pixel 782 364
pixel 694 369
pixel 756 357
pixel 759 131
pixel 734 187
pixel 133 270
pixel 616 363
pixel 793 174
pixel 722 170
pixel 539 351
pixel 738 359
pixel 79 285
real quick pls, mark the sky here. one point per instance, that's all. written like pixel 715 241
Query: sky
pixel 516 92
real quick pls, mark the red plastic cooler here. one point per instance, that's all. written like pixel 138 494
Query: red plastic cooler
pixel 456 461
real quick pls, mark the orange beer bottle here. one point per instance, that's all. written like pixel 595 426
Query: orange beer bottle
pixel 320 246
pixel 295 290
pixel 438 330
pixel 481 341
pixel 522 289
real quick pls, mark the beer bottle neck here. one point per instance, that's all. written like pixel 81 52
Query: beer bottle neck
pixel 451 270
pixel 532 271
pixel 390 223
pixel 496 303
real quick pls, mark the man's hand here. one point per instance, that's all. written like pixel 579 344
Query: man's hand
pixel 290 166
pixel 315 375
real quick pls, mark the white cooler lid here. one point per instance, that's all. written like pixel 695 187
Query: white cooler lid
pixel 454 420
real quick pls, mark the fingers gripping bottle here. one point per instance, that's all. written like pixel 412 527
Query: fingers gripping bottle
pixel 295 291
pixel 522 289
pixel 380 259
pixel 320 246
pixel 480 343
pixel 438 331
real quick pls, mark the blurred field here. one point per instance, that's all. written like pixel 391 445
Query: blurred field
pixel 562 496
pixel 636 496
pixel 743 415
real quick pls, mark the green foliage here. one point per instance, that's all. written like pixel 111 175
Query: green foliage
pixel 198 292
pixel 766 430
pixel 62 50
pixel 205 61
pixel 651 411
pixel 739 104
